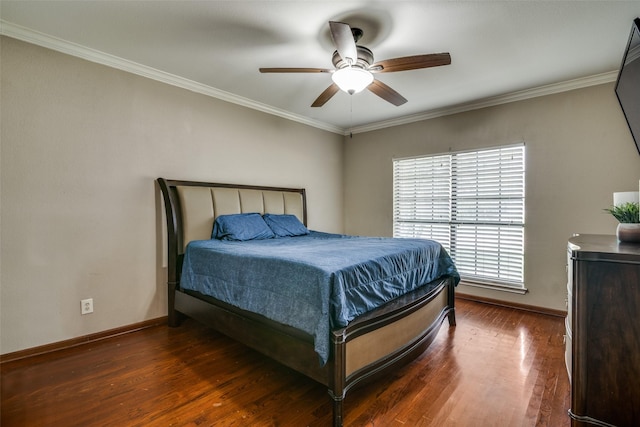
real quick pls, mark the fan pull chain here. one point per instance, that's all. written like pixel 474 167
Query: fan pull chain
pixel 351 117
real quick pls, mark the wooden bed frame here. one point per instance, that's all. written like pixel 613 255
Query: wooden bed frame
pixel 371 345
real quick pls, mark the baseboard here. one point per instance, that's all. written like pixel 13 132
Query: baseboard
pixel 525 307
pixel 86 339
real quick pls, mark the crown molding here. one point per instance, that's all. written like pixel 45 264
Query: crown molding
pixel 21 33
pixel 550 89
pixel 24 34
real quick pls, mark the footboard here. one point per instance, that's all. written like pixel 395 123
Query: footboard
pixel 382 341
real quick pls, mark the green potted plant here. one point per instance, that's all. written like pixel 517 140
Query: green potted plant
pixel 628 216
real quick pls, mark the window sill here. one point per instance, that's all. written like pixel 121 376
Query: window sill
pixel 494 286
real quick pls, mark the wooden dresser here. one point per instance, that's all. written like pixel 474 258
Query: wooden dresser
pixel 603 331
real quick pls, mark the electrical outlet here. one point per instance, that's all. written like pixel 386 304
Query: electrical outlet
pixel 86 306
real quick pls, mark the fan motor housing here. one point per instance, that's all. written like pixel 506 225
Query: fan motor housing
pixel 365 58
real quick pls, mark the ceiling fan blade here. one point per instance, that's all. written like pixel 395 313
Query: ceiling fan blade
pixel 411 63
pixel 344 42
pixel 386 93
pixel 326 95
pixel 295 70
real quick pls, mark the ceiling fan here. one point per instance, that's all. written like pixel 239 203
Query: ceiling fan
pixel 354 67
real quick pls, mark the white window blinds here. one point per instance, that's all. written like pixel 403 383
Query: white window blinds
pixel 473 204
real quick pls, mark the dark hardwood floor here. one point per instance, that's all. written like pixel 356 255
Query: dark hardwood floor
pixel 498 367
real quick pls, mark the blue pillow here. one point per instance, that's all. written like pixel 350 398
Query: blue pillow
pixel 240 227
pixel 285 225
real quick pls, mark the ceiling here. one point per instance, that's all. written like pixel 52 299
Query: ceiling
pixel 500 50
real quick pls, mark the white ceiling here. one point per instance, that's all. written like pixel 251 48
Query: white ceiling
pixel 500 50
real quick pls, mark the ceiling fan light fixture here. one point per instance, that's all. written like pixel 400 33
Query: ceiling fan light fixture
pixel 352 79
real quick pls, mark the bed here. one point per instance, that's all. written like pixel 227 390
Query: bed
pixel 336 346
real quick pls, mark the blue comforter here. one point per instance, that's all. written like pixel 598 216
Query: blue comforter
pixel 314 282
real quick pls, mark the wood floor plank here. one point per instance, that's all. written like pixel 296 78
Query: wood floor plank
pixel 498 366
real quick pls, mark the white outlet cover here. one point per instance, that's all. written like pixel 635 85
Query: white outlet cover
pixel 86 306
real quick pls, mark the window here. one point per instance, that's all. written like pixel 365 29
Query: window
pixel 473 204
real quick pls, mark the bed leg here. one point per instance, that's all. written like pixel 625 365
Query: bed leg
pixel 451 302
pixel 173 316
pixel 452 317
pixel 337 375
pixel 338 408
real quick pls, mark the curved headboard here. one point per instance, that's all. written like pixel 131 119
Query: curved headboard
pixel 191 208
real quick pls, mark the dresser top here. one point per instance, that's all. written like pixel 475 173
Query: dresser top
pixel 602 247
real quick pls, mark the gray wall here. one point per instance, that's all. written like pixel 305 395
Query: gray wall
pixel 578 152
pixel 82 145
pixel 81 216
